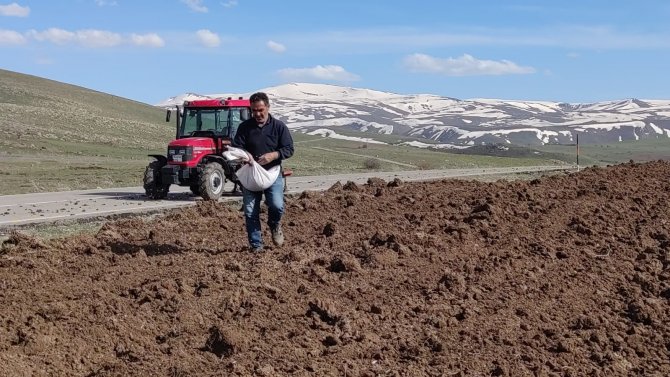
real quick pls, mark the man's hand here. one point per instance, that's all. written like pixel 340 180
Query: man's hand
pixel 268 158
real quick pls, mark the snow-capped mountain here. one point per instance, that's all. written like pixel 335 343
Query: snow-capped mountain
pixel 450 121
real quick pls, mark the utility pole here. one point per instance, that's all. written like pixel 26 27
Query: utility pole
pixel 578 152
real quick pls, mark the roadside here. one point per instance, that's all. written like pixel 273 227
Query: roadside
pixel 78 222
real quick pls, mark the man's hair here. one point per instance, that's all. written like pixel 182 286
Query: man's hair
pixel 260 96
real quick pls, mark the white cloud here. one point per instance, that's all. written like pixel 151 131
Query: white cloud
pixel 208 38
pixel 94 38
pixel 98 38
pixel 573 55
pixel 384 40
pixel 195 5
pixel 149 40
pixel 14 10
pixel 229 3
pixel 319 73
pixel 87 38
pixel 53 35
pixel 102 3
pixel 276 47
pixel 465 65
pixel 11 37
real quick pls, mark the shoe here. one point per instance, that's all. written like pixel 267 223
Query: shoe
pixel 278 236
pixel 257 249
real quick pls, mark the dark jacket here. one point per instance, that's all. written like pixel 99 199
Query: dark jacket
pixel 274 136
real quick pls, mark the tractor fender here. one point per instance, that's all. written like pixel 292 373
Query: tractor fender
pixel 162 159
pixel 228 168
pixel 212 158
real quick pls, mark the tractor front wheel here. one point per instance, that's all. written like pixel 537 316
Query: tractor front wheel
pixel 212 180
pixel 153 186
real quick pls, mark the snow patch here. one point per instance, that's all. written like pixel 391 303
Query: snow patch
pixel 419 144
pixel 334 135
pixel 656 129
pixel 610 126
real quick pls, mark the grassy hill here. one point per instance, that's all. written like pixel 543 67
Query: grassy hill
pixel 64 137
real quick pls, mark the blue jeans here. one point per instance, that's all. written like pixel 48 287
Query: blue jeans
pixel 274 198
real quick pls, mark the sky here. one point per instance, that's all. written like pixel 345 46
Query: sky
pixel 575 51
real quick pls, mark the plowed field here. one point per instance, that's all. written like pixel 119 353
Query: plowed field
pixel 565 275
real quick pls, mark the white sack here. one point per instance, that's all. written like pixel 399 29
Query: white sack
pixel 233 153
pixel 252 175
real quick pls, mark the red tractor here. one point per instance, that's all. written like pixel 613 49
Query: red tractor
pixel 204 129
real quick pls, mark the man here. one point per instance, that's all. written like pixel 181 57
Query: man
pixel 269 141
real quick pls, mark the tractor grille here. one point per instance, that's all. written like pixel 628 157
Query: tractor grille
pixel 180 154
pixel 178 175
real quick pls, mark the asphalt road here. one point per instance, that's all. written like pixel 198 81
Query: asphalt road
pixel 74 205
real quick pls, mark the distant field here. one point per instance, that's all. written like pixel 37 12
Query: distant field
pixel 59 137
pixel 55 165
pixel 324 155
pixel 606 154
pixel 38 164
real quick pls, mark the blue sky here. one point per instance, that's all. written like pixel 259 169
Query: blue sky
pixel 148 50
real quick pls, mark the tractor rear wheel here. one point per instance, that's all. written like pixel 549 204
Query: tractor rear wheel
pixel 153 186
pixel 212 180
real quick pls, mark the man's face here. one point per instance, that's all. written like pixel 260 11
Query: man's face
pixel 260 112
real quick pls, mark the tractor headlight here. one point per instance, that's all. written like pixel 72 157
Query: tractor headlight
pixel 180 154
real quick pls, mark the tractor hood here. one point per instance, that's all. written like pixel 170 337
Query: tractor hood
pixel 195 142
pixel 189 151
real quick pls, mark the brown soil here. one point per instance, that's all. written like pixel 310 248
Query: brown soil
pixel 566 275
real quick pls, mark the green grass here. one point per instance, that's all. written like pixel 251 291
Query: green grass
pixel 63 137
pixel 338 156
pixel 64 174
pixel 609 154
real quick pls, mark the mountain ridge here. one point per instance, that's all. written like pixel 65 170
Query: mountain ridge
pixel 447 122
